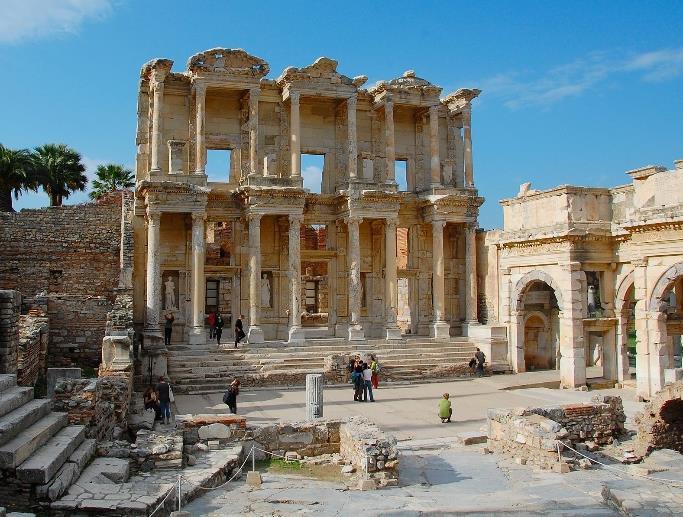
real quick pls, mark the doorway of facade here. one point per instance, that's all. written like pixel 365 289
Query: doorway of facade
pixel 315 294
pixel 541 326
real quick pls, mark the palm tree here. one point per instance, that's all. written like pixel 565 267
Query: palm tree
pixel 111 177
pixel 60 171
pixel 16 175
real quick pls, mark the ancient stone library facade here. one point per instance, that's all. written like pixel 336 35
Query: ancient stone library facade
pixel 386 250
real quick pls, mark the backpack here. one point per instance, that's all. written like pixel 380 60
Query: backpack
pixel 225 397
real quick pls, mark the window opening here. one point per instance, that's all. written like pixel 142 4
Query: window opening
pixel 401 171
pixel 312 166
pixel 218 164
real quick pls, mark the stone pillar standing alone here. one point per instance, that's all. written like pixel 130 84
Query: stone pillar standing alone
pixel 294 135
pixel 314 395
pixel 153 278
pixel 439 328
pixel 198 334
pixel 296 333
pixel 255 334
pixel 355 329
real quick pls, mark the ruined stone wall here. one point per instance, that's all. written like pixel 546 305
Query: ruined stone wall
pixel 68 249
pixel 371 451
pixel 660 425
pixel 10 307
pixel 33 341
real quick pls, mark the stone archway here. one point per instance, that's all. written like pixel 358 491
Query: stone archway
pixel 539 354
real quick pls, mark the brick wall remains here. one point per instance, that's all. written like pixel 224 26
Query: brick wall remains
pixel 33 340
pixel 10 308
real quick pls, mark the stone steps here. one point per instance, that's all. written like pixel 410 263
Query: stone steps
pixel 20 448
pixel 13 398
pixel 24 416
pixel 46 461
pixel 7 381
pixel 69 472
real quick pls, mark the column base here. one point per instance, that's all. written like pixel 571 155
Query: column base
pixel 197 336
pixel 255 334
pixel 440 330
pixel 394 334
pixel 356 333
pixel 296 334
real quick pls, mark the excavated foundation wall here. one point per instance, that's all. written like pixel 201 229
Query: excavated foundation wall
pixel 660 425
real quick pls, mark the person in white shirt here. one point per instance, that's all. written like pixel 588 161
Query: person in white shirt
pixel 367 383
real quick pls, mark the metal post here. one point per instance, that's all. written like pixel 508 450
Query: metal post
pixel 559 456
pixel 179 493
pixel 253 459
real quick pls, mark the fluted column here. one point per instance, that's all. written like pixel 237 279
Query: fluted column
pixel 253 130
pixel 295 134
pixel 467 133
pixel 471 273
pixel 439 328
pixel 158 87
pixel 389 140
pixel 255 334
pixel 295 330
pixel 435 161
pixel 390 282
pixel 153 277
pixel 200 113
pixel 352 138
pixel 197 335
pixel 355 329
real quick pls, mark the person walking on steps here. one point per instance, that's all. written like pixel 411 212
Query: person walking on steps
pixel 239 330
pixel 168 327
pixel 219 327
pixel 212 324
pixel 481 358
pixel 165 399
pixel 445 409
pixel 367 383
pixel 374 366
pixel 230 396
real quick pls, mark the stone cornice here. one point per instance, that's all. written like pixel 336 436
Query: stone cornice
pixel 556 191
pixel 653 225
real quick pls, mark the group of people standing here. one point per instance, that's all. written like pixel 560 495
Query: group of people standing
pixel 364 377
pixel 216 324
pixel 159 399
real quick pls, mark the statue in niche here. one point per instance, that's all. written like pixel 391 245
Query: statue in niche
pixel 265 290
pixel 170 294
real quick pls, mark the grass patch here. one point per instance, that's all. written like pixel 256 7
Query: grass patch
pixel 278 464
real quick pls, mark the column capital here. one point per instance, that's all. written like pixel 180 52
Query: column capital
pixel 296 219
pixel 254 219
pixel 471 227
pixel 353 220
pixel 294 97
pixel 254 91
pixel 391 222
pixel 438 224
pixel 198 217
pixel 389 102
pixel 434 110
pixel 199 89
pixel 153 215
pixel 352 101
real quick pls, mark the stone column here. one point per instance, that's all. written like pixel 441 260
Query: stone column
pixel 153 276
pixel 642 335
pixel 389 139
pixel 467 131
pixel 295 134
pixel 352 138
pixel 200 109
pixel 314 395
pixel 439 328
pixel 157 144
pixel 253 130
pixel 471 273
pixel 435 161
pixel 255 334
pixel 390 280
pixel 197 334
pixel 572 347
pixel 355 329
pixel 296 333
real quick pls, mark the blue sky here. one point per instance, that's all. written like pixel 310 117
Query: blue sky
pixel 573 92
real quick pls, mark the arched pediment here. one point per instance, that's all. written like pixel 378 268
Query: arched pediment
pixel 228 61
pixel 531 277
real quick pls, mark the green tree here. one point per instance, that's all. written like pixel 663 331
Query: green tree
pixel 60 171
pixel 16 175
pixel 111 177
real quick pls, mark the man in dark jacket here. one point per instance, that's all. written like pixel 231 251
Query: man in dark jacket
pixel 239 330
pixel 219 327
pixel 164 391
pixel 481 358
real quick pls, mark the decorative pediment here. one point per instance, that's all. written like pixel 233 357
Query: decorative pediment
pixel 408 82
pixel 228 61
pixel 322 71
pixel 460 98
pixel 159 66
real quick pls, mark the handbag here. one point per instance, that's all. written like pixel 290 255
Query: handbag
pixel 171 397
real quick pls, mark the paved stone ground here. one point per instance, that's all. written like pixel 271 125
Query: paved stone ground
pixel 408 411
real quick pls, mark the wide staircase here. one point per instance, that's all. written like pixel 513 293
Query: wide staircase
pixel 204 368
pixel 40 454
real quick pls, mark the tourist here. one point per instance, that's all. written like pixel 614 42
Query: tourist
pixel 219 327
pixel 367 383
pixel 164 393
pixel 239 330
pixel 230 396
pixel 212 324
pixel 151 401
pixel 481 358
pixel 374 366
pixel 357 377
pixel 445 409
pixel 168 328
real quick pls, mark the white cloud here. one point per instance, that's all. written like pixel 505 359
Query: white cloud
pixel 518 90
pixel 312 177
pixel 22 20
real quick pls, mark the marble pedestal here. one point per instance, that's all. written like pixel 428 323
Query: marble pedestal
pixel 439 330
pixel 255 334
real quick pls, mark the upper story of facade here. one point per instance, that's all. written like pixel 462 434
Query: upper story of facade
pixel 224 102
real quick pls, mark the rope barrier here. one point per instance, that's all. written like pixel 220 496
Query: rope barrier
pixel 670 482
pixel 239 470
pixel 173 488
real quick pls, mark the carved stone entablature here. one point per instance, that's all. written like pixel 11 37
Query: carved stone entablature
pixel 263 200
pixel 535 247
pixel 460 99
pixel 319 78
pixel 156 69
pixel 373 204
pixel 407 89
pixel 170 196
pixel 228 62
pixel 653 225
pixel 456 208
